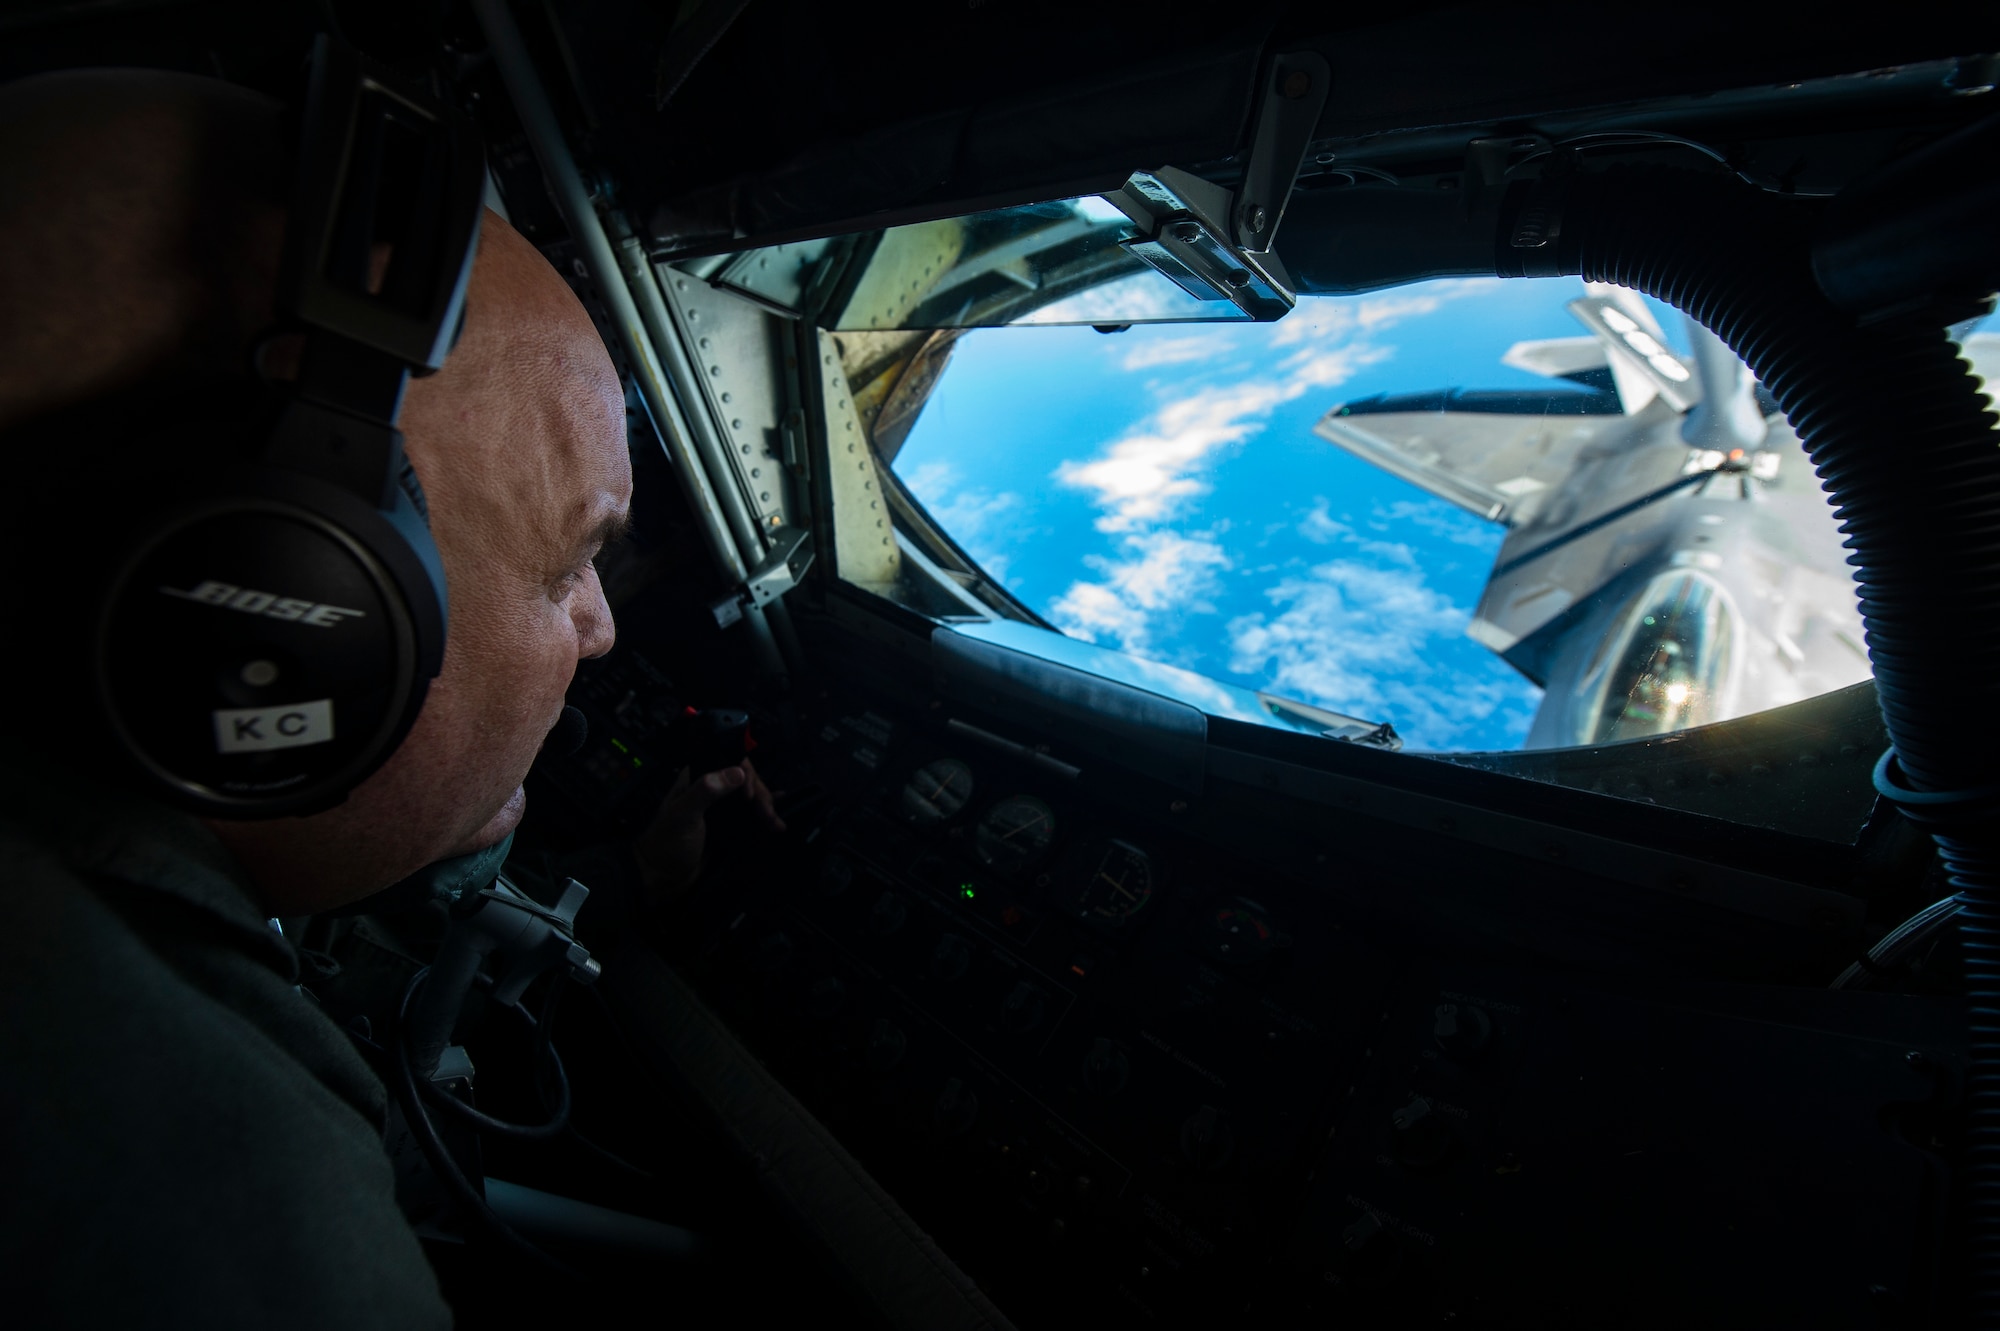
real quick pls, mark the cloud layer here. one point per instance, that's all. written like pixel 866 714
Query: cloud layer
pixel 1150 476
pixel 1360 638
pixel 1158 571
pixel 1333 607
pixel 975 518
pixel 1145 477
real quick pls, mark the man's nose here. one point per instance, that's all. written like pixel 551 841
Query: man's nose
pixel 597 632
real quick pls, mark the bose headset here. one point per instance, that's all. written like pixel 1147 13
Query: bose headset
pixel 268 636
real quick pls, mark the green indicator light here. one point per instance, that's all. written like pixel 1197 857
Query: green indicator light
pixel 636 762
pixel 965 890
pixel 619 745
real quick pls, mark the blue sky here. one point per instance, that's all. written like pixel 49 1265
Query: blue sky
pixel 1161 491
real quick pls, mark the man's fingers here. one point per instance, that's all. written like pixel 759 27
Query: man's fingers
pixel 720 783
pixel 690 800
pixel 700 794
pixel 760 796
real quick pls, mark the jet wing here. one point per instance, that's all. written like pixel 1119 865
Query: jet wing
pixel 1615 505
pixel 1494 454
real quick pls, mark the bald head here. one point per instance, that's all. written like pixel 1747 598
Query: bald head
pixel 141 228
pixel 538 373
pixel 141 220
pixel 520 444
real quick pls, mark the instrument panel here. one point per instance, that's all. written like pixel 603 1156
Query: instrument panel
pixel 1121 1071
pixel 993 986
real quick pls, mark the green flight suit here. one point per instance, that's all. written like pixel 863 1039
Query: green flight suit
pixel 185 1140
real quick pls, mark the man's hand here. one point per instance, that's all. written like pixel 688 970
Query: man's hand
pixel 670 849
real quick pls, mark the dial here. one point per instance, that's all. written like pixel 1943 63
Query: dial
pixel 1119 887
pixel 1015 833
pixel 1239 932
pixel 937 792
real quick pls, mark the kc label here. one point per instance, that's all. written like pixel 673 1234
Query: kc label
pixel 260 729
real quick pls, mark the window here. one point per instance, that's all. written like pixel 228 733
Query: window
pixel 1473 518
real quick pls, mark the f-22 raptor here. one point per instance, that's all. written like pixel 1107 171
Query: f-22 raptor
pixel 1670 558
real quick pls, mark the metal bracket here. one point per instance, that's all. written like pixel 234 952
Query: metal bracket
pixel 790 556
pixel 1294 95
pixel 1185 236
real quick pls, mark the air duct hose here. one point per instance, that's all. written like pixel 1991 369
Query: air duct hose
pixel 1903 441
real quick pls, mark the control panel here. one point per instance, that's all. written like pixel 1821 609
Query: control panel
pixel 1122 1072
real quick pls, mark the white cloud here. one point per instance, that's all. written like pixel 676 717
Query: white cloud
pixel 1357 638
pixel 1330 320
pixel 973 518
pixel 1360 633
pixel 1173 351
pixel 1159 571
pixel 1093 611
pixel 1312 367
pixel 1321 527
pixel 1144 477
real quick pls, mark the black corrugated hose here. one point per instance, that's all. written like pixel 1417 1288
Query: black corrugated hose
pixel 1902 439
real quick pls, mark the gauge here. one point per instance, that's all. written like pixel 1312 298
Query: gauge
pixel 937 792
pixel 1119 887
pixel 1015 833
pixel 1239 932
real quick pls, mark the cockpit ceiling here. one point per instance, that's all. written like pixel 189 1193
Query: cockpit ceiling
pixel 836 124
pixel 810 119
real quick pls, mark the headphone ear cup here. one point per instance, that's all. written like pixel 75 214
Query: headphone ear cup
pixel 265 647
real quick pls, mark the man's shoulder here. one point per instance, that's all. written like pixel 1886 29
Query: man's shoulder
pixel 176 1119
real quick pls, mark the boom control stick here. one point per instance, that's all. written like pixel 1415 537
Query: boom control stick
pixel 527 939
pixel 500 921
